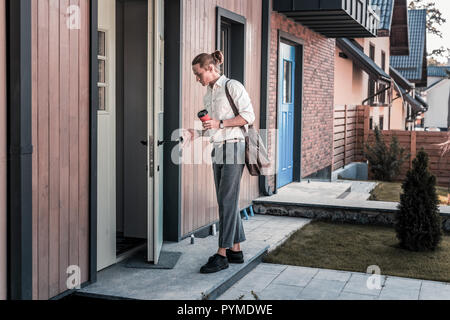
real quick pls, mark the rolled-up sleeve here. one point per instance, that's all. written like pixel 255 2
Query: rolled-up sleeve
pixel 242 101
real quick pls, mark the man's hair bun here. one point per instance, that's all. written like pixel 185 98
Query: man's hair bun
pixel 218 57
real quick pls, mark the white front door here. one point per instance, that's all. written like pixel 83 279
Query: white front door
pixel 155 129
pixel 106 165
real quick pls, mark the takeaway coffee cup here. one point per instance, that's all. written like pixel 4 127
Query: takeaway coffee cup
pixel 204 116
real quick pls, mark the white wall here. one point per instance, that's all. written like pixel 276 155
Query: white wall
pixel 432 80
pixel 438 99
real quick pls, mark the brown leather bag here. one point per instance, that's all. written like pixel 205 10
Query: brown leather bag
pixel 256 158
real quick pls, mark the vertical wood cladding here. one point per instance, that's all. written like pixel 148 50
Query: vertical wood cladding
pixel 199 204
pixel 60 117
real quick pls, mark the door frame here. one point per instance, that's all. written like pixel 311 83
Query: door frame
pixel 93 134
pixel 19 150
pixel 298 104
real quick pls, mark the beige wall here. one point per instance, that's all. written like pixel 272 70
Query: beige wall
pixel 398 114
pixel 354 91
pixel 343 80
pixel 380 114
pixel 2 152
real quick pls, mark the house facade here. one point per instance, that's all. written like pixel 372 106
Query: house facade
pixel 307 31
pixel 438 115
pixel 100 89
pixel 107 83
pixel 364 79
pixel 413 68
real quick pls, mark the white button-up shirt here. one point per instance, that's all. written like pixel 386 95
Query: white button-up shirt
pixel 219 108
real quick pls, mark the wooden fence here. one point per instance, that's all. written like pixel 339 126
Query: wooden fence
pixel 351 130
pixel 412 142
pixel 350 122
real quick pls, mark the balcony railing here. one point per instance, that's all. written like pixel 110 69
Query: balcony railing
pixel 332 18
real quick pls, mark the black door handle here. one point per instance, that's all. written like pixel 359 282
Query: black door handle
pixel 166 141
pixel 144 143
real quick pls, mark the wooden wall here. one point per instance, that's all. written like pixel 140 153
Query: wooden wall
pixel 60 117
pixel 199 204
pixel 2 151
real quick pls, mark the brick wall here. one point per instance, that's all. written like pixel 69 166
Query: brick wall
pixel 318 94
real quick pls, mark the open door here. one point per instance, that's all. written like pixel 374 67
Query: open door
pixel 130 124
pixel 155 130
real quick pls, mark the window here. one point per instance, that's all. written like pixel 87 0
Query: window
pixel 287 81
pixel 382 86
pixel 230 39
pixel 371 123
pixel 225 48
pixel 102 72
pixel 382 96
pixel 381 123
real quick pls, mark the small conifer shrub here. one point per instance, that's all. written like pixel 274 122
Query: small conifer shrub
pixel 418 222
pixel 384 161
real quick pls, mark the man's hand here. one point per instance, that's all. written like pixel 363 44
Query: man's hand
pixel 211 124
pixel 187 135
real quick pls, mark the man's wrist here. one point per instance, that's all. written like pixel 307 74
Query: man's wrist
pixel 221 124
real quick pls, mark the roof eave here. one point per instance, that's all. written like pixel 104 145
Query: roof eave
pixel 399 29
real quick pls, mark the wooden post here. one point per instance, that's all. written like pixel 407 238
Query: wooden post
pixel 413 148
pixel 345 135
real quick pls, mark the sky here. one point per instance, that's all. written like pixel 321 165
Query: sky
pixel 433 41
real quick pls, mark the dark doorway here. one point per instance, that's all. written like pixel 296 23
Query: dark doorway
pixel 131 123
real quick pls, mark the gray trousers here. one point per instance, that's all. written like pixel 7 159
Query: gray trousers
pixel 228 166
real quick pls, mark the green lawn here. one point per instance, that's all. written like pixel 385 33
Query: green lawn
pixel 390 191
pixel 355 247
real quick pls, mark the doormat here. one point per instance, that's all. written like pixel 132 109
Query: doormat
pixel 167 260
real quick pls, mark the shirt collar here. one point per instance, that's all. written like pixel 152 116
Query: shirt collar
pixel 220 82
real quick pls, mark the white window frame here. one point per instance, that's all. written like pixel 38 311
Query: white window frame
pixel 104 84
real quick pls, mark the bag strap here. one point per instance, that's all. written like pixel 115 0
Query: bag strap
pixel 233 105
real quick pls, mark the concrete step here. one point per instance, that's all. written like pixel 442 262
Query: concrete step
pixel 219 289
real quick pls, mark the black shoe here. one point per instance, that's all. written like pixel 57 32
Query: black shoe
pixel 235 256
pixel 215 263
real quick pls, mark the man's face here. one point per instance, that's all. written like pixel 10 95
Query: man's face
pixel 204 76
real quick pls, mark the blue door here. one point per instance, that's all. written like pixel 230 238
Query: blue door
pixel 286 85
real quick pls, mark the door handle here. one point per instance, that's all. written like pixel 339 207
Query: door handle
pixel 167 141
pixel 144 143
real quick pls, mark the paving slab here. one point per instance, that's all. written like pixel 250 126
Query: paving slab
pixel 358 283
pixel 355 296
pixel 319 289
pixel 296 276
pixel 431 290
pixel 325 284
pixel 325 274
pixel 280 292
